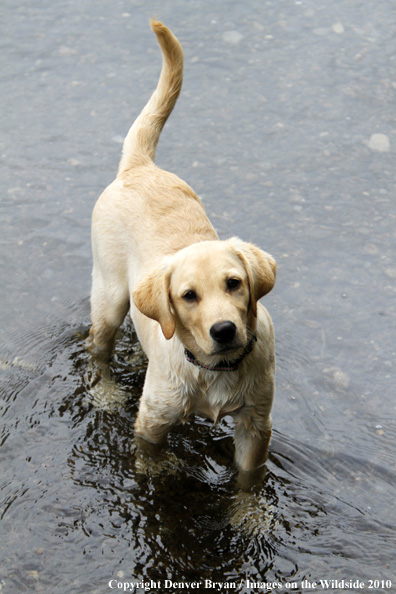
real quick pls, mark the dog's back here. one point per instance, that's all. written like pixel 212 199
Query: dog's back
pixel 148 212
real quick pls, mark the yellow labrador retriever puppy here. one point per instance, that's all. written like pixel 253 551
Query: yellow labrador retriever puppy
pixel 193 299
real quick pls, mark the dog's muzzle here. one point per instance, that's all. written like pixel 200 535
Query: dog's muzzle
pixel 223 365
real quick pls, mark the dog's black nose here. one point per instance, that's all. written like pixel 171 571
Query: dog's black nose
pixel 223 332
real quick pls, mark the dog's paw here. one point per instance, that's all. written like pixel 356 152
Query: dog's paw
pixel 106 394
pixel 153 461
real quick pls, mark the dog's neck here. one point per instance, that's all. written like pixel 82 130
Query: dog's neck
pixel 222 365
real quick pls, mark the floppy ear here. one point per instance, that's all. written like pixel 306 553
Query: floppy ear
pixel 151 297
pixel 260 268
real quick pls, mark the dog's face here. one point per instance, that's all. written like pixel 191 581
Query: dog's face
pixel 208 294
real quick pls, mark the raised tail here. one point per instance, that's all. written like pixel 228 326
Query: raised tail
pixel 142 138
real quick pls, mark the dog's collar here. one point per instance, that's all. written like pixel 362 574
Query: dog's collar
pixel 223 365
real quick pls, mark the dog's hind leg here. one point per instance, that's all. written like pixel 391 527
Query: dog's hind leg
pixel 109 307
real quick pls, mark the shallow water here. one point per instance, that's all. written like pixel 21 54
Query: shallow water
pixel 275 130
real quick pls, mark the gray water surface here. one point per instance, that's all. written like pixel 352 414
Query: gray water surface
pixel 286 129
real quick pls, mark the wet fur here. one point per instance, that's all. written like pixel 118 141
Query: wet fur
pixel 152 242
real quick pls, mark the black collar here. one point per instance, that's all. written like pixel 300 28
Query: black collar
pixel 222 365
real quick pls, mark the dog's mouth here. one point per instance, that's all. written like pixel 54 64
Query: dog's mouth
pixel 217 352
pixel 225 358
pixel 232 350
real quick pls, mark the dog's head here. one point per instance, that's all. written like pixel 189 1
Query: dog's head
pixel 208 293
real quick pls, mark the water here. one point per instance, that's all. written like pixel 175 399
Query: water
pixel 274 130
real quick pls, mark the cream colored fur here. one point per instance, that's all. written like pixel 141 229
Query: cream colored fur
pixel 157 255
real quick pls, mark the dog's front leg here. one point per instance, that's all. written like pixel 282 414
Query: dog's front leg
pixel 159 408
pixel 150 427
pixel 251 439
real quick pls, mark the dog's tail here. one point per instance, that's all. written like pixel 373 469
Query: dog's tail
pixel 142 138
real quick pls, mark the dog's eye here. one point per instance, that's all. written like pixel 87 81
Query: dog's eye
pixel 190 296
pixel 233 283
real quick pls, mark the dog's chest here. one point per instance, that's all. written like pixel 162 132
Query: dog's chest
pixel 215 395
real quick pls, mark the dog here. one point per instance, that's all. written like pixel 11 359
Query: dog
pixel 193 299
